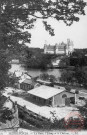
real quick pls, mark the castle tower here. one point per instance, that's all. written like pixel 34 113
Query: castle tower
pixel 45 47
pixel 69 48
pixel 56 48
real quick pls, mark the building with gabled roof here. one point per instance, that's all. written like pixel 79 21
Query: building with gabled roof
pixel 26 84
pixel 22 75
pixel 51 96
pixel 44 82
pixel 45 92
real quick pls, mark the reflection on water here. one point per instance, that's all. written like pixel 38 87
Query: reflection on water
pixel 34 72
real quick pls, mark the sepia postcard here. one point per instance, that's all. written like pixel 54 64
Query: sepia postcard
pixel 43 67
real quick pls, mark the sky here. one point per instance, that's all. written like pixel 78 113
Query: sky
pixel 77 32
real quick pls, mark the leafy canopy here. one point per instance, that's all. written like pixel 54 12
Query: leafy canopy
pixel 4 67
pixel 17 15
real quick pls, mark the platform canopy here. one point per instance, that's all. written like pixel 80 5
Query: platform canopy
pixel 45 92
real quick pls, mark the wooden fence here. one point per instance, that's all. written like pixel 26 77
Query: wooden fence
pixel 33 118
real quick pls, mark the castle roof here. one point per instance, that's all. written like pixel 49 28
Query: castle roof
pixel 50 47
pixel 53 46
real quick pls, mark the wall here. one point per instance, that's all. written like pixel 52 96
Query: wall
pixel 25 86
pixel 61 52
pixel 49 51
pixel 56 51
pixel 59 101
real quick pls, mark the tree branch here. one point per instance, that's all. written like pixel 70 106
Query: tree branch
pixel 43 17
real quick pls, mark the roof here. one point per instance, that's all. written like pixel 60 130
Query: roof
pixel 24 77
pixel 43 81
pixel 18 73
pixel 22 74
pixel 73 90
pixel 37 85
pixel 45 92
pixel 21 80
pixel 50 47
pixel 60 46
pixel 27 81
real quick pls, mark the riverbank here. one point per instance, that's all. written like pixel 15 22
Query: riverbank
pixel 35 72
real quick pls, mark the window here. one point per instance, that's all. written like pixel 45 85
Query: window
pixel 64 96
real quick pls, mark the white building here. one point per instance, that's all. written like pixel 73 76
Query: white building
pixel 51 96
pixel 61 48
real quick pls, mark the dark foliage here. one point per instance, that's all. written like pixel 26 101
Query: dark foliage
pixel 37 59
pixel 4 67
pixel 2 101
pixel 68 88
pixel 83 111
pixel 15 15
pixel 58 125
pixel 79 58
pixel 6 115
pixel 77 74
pixel 40 122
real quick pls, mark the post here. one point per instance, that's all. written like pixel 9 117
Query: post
pixel 53 102
pixel 75 98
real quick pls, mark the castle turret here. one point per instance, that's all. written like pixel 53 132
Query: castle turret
pixel 56 48
pixel 69 46
pixel 45 48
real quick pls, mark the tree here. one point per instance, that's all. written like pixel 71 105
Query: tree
pixel 6 115
pixel 67 76
pixel 78 58
pixel 4 67
pixel 78 73
pixel 81 75
pixel 52 78
pixel 64 62
pixel 13 80
pixel 68 88
pixel 18 15
pixel 44 76
pixel 37 60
